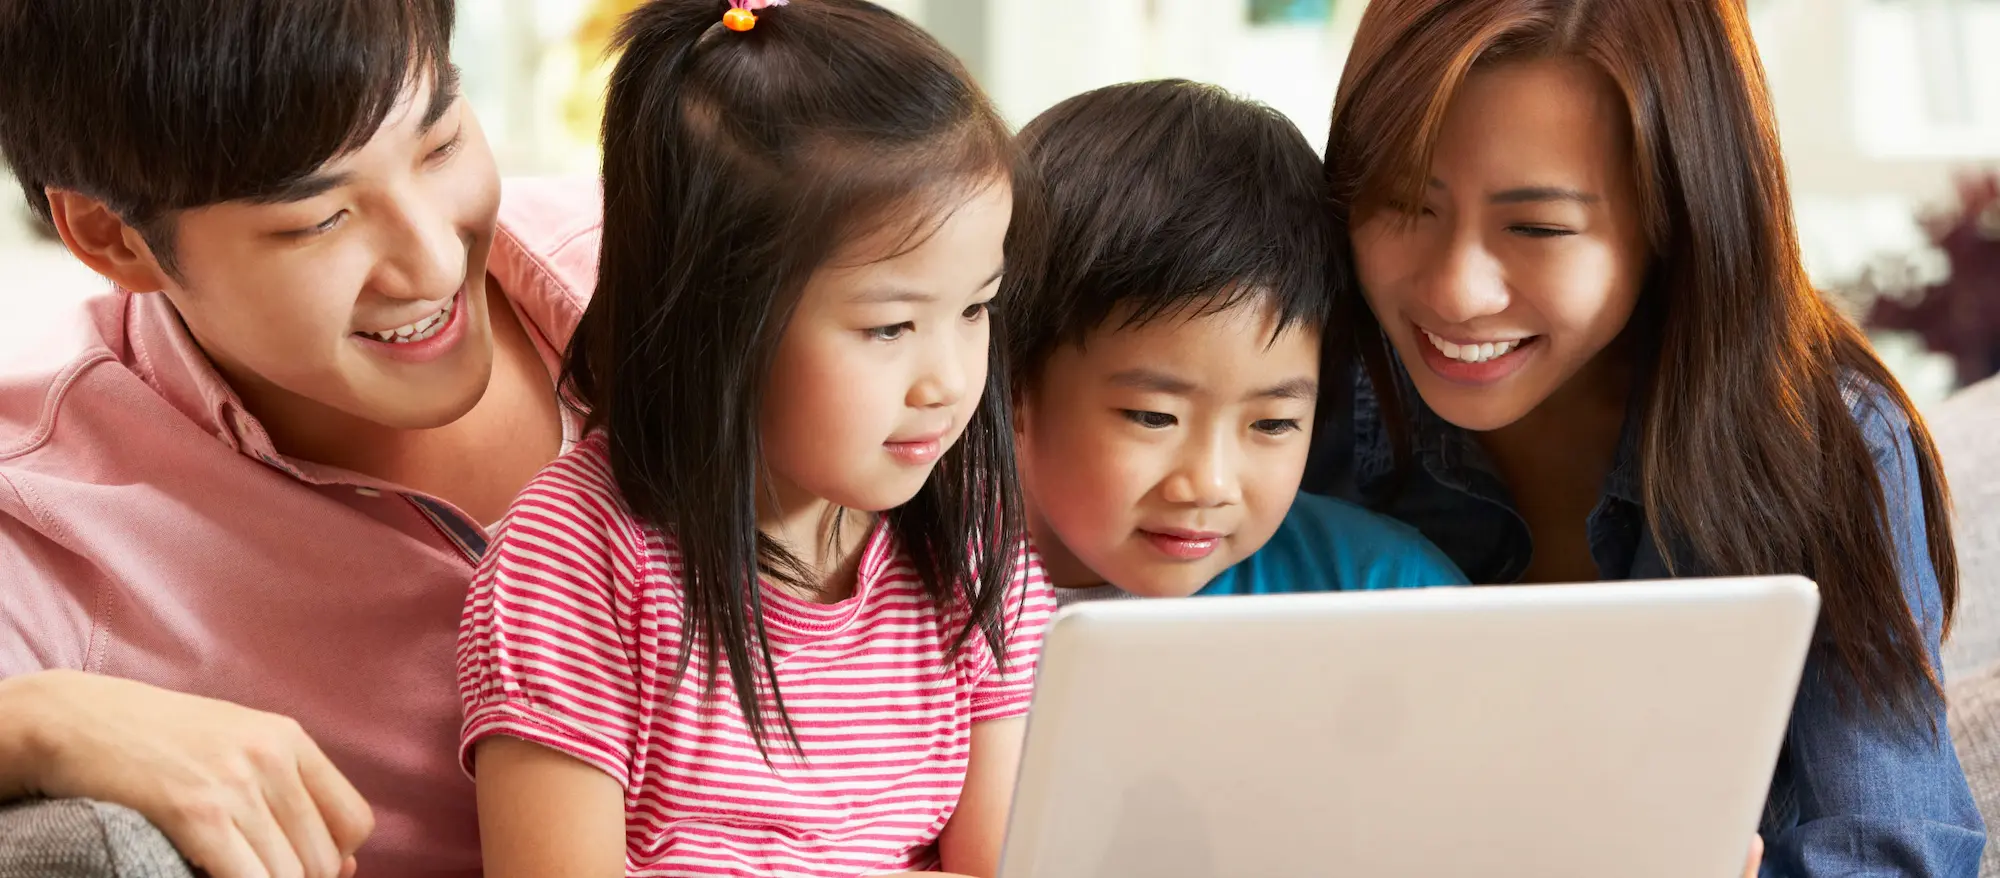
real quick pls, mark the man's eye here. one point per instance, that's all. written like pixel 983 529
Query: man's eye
pixel 449 149
pixel 331 223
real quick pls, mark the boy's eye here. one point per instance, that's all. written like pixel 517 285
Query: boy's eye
pixel 1275 426
pixel 1150 420
pixel 889 333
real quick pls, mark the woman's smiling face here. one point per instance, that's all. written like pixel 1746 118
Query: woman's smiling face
pixel 1526 257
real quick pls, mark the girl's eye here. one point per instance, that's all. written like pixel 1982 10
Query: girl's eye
pixel 1539 232
pixel 978 310
pixel 1150 420
pixel 1275 426
pixel 890 333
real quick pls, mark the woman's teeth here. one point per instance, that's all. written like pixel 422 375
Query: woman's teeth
pixel 1473 353
pixel 422 330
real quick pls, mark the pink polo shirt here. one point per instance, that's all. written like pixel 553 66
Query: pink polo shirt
pixel 149 530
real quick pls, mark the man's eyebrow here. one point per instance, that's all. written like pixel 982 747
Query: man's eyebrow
pixel 299 189
pixel 443 94
pixel 1296 388
pixel 319 183
pixel 1153 381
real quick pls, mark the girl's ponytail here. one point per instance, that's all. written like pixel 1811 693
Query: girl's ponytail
pixel 735 163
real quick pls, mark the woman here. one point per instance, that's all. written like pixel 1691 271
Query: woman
pixel 1591 352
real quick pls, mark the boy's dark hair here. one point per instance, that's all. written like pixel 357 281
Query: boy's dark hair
pixel 157 106
pixel 1157 199
pixel 735 165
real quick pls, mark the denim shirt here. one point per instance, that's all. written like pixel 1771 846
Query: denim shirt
pixel 1854 794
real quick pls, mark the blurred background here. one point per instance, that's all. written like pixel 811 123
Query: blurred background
pixel 1890 113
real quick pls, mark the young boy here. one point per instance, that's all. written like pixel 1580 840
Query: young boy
pixel 239 512
pixel 1170 266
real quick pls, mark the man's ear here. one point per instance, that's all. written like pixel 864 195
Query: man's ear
pixel 100 239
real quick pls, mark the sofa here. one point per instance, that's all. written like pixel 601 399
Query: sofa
pixel 1967 429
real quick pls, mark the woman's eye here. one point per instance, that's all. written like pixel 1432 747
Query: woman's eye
pixel 1150 420
pixel 978 310
pixel 890 333
pixel 1540 231
pixel 1276 426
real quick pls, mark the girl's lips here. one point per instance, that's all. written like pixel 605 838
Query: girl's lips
pixel 917 452
pixel 1183 545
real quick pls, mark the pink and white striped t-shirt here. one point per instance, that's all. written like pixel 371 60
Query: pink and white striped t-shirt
pixel 569 640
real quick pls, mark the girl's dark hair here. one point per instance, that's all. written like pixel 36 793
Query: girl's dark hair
pixel 735 164
pixel 1149 199
pixel 1753 460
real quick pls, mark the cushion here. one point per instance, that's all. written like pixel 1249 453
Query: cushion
pixel 73 838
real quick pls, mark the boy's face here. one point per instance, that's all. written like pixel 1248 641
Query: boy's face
pixel 363 293
pixel 1157 457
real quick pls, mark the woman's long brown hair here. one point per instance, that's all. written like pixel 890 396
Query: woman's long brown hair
pixel 1746 405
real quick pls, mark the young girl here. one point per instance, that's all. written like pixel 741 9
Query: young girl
pixel 768 617
pixel 1594 354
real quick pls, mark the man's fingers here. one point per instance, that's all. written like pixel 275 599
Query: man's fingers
pixel 218 850
pixel 349 821
pixel 261 830
pixel 299 818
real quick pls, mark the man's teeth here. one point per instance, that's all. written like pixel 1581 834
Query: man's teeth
pixel 1473 353
pixel 422 330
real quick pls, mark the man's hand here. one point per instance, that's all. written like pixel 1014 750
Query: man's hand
pixel 241 793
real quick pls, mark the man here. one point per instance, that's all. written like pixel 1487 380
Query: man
pixel 239 511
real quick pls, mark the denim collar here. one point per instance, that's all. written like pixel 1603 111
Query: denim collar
pixel 1451 455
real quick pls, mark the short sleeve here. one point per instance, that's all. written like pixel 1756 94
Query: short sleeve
pixel 1424 564
pixel 46 591
pixel 1003 692
pixel 547 644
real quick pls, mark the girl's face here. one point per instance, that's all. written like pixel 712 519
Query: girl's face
pixel 1526 258
pixel 884 360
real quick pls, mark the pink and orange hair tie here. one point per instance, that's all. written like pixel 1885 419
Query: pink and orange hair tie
pixel 742 14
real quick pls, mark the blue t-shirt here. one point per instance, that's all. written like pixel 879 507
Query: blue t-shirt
pixel 1326 544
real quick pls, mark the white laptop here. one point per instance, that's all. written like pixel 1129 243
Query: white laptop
pixel 1609 729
